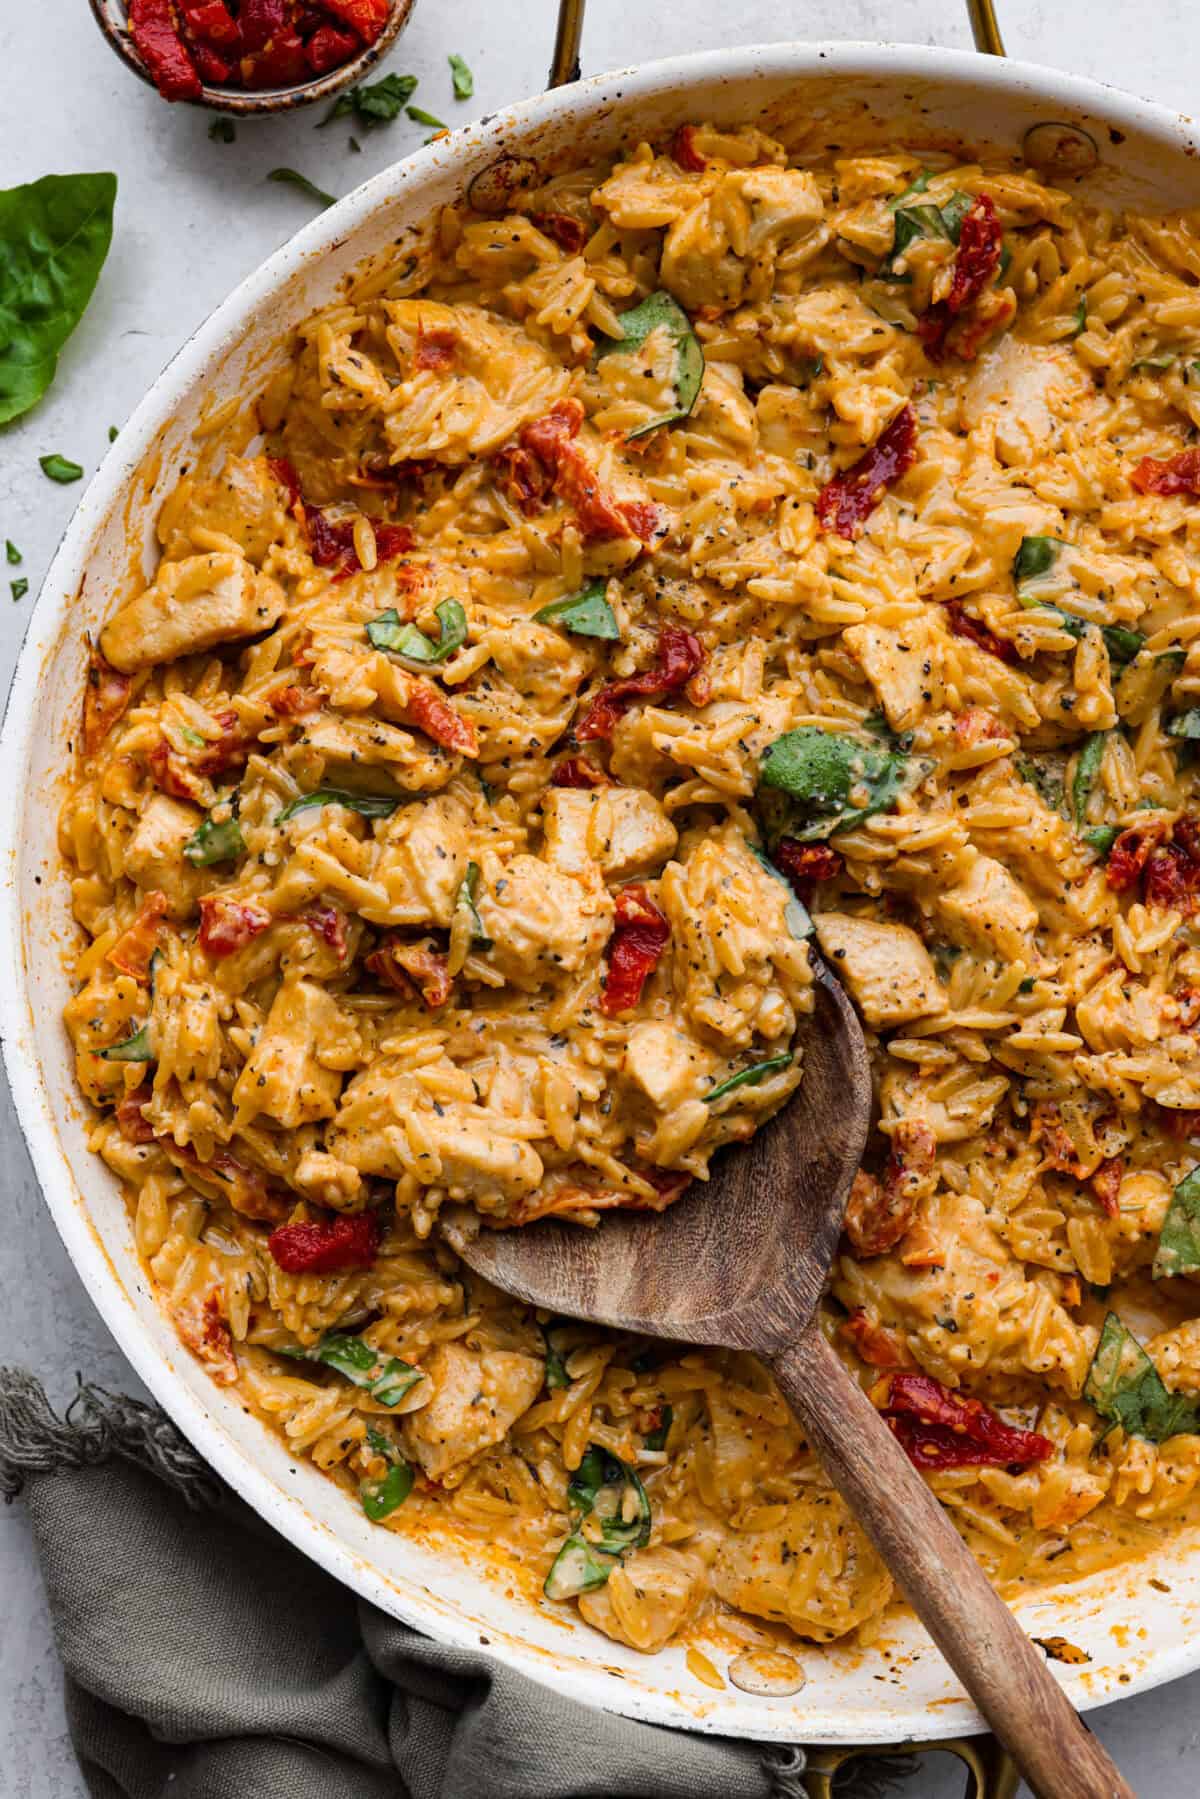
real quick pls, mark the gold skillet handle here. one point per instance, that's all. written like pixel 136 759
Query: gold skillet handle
pixel 565 64
pixel 992 1774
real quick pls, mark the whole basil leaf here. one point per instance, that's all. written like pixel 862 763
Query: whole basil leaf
pixel 586 613
pixel 818 770
pixel 1178 1249
pixel 662 312
pixel 54 236
pixel 1126 1388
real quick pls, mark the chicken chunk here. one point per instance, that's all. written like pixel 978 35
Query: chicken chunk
pixel 468 1151
pixel 244 502
pixel 477 1395
pixel 886 967
pixel 902 662
pixel 154 854
pixel 191 606
pixel 648 1599
pixel 990 912
pixel 542 923
pixel 422 861
pixel 294 1072
pixel 667 1064
pixel 623 829
pixel 1022 390
pixel 815 1571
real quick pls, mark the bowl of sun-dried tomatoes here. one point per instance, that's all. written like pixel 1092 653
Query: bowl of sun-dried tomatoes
pixel 250 56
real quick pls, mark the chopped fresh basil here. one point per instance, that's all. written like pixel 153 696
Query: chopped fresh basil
pixel 383 1496
pixel 462 78
pixel 954 212
pixel 138 1047
pixel 1035 558
pixel 1179 1237
pixel 388 633
pixel 419 116
pixel 661 312
pixel 375 103
pixel 294 178
pixel 1126 1388
pixel 1087 767
pixel 212 842
pixel 367 805
pixel 926 221
pixel 1043 778
pixel 604 1488
pixel 12 554
pixel 19 588
pixel 586 613
pixel 657 1438
pixel 579 1567
pixel 54 236
pixel 114 431
pixel 1081 316
pixel 819 771
pixel 1164 361
pixel 1122 643
pixel 222 131
pixel 1101 837
pixel 465 898
pixel 795 912
pixel 1185 724
pixel 749 1077
pixel 918 185
pixel 60 468
pixel 385 1378
pixel 556 1366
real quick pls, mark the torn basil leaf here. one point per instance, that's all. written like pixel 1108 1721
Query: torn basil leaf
pixel 579 1567
pixel 1178 1249
pixel 749 1077
pixel 810 775
pixel 294 178
pixel 1101 837
pixel 1087 767
pixel 917 186
pixel 586 613
pixel 385 1378
pixel 387 633
pixel 657 1438
pixel 1185 724
pixel 795 913
pixel 138 1047
pixel 367 805
pixel 925 221
pixel 1043 777
pixel 1081 316
pixel 606 1489
pixel 1126 1388
pixel 662 313
pixel 1035 558
pixel 461 76
pixel 467 890
pixel 1152 362
pixel 211 843
pixel 383 1496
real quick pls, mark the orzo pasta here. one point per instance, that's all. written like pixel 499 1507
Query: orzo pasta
pixel 718 535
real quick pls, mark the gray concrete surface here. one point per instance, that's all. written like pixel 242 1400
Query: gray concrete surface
pixel 194 217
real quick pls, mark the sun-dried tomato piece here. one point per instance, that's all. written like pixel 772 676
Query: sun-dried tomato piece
pixel 135 947
pixel 328 48
pixel 247 1189
pixel 1106 1184
pixel 1178 474
pixel 679 655
pixel 210 22
pixel 546 459
pixel 407 966
pixel 281 64
pixel 366 17
pixel 685 153
pixel 579 772
pixel 174 773
pixel 430 711
pixel 873 1342
pixel 157 40
pixel 846 502
pixel 331 542
pixel 293 702
pixel 105 697
pixel 227 925
pixel 262 20
pixel 210 66
pixel 1170 878
pixel 326 1245
pixel 940 1429
pixel 963 625
pixel 977 725
pixel 635 948
pixel 133 1126
pixel 805 864
pixel 434 349
pixel 229 749
pixel 1130 853
pixel 880 1211
pixel 568 233
pixel 980 246
pixel 544 437
pixel 284 472
pixel 329 924
pixel 202 1327
pixel 1058 1146
pixel 1180 1122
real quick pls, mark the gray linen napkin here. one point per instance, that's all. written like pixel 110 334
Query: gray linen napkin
pixel 205 1658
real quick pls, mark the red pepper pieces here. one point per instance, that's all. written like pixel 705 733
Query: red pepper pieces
pixel 941 1429
pixel 326 1245
pixel 635 948
pixel 845 503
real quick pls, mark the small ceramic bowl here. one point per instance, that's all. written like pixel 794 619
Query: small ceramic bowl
pixel 111 16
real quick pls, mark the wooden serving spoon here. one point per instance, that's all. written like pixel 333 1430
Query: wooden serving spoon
pixel 741 1262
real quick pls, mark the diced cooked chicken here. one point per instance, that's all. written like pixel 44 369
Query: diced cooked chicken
pixel 667 1064
pixel 814 1571
pixel 154 854
pixel 191 606
pixel 648 1599
pixel 624 829
pixel 902 661
pixel 468 1152
pixel 1023 390
pixel 758 209
pixel 886 967
pixel 477 1395
pixel 542 923
pixel 990 912
pixel 294 1072
pixel 244 503
pixel 422 861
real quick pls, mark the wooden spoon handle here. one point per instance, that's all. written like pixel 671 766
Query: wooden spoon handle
pixel 1002 1670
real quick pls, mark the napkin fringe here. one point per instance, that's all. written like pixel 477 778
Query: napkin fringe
pixel 96 1426
pixel 865 1777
